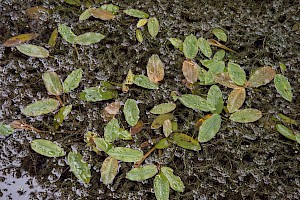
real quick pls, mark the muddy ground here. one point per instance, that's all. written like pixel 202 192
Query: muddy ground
pixel 243 161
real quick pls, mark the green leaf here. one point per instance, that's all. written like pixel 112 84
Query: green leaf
pixel 79 167
pixel 111 130
pixel 142 173
pixel 66 33
pixel 236 73
pixel 99 93
pixel 136 13
pixel 287 119
pixel 175 181
pixel 109 170
pixel 163 108
pixel 162 144
pixel 186 142
pixel 33 50
pixel 47 148
pixel 282 67
pixel 214 67
pixel 111 7
pixel 89 38
pixel 85 15
pixel 161 187
pixel 286 132
pixel 40 107
pixel 261 76
pixel 177 43
pixel 102 144
pixel 204 47
pixel 196 102
pixel 131 112
pixel 159 120
pixel 215 98
pixel 190 46
pixel 236 99
pixel 52 83
pixel 220 34
pixel 144 81
pixel 139 35
pixel 125 154
pixel 6 130
pixel 283 87
pixel 73 80
pixel 209 128
pixel 219 55
pixel 246 115
pixel 155 69
pixel 224 79
pixel 153 26
pixel 61 115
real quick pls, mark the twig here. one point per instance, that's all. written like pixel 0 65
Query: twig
pixel 138 163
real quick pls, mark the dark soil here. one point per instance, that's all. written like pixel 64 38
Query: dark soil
pixel 244 161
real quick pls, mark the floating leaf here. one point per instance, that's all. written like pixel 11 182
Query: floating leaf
pixel 52 83
pixel 246 115
pixel 33 50
pixel 136 13
pixel 111 130
pixel 53 38
pixel 89 38
pixel 175 181
pixel 66 33
pixel 6 130
pixel 162 144
pixel 220 34
pixel 161 187
pixel 190 71
pixel 190 46
pixel 137 128
pixel 102 14
pixel 159 120
pixel 155 69
pixel 153 26
pixel 219 55
pixel 73 80
pixel 40 107
pixel 125 154
pixel 141 23
pixel 283 87
pixel 19 39
pixel 100 93
pixel 167 127
pixel 215 98
pixel 286 132
pixel 129 78
pixel 163 108
pixel 186 142
pixel 224 79
pixel 139 35
pixel 131 112
pixel 61 115
pixel 282 67
pixel 79 167
pixel 102 144
pixel 204 47
pixel 47 148
pixel 236 73
pixel 196 102
pixel 209 128
pixel 261 76
pixel 111 7
pixel 109 170
pixel 142 173
pixel 177 43
pixel 85 15
pixel 144 81
pixel 236 99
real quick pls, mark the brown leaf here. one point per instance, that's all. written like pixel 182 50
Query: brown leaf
pixel 261 76
pixel 101 14
pixel 137 128
pixel 37 12
pixel 190 71
pixel 215 43
pixel 236 99
pixel 155 69
pixel 19 39
pixel 224 79
pixel 110 111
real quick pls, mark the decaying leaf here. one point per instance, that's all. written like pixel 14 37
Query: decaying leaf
pixel 129 78
pixel 137 128
pixel 37 12
pixel 167 127
pixel 186 141
pixel 261 76
pixel 101 14
pixel 218 44
pixel 155 69
pixel 159 120
pixel 190 71
pixel 236 99
pixel 224 79
pixel 19 39
pixel 109 170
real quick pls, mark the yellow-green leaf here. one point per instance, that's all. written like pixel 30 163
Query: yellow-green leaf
pixel 236 99
pixel 220 34
pixel 53 38
pixel 72 81
pixel 162 144
pixel 204 47
pixel 129 78
pixel 163 108
pixel 196 102
pixel 161 187
pixel 286 132
pixel 283 87
pixel 66 33
pixel 186 142
pixel 153 26
pixel 155 69
pixel 5 129
pixel 131 112
pixel 261 76
pixel 236 73
pixel 177 43
pixel 142 173
pixel 33 50
pixel 19 39
pixel 61 115
pixel 144 81
pixel 190 46
pixel 175 181
pixel 141 23
pixel 209 128
pixel 125 154
pixel 52 83
pixel 160 119
pixel 139 35
pixel 215 98
pixel 79 167
pixel 246 115
pixel 85 15
pixel 40 107
pixel 109 170
pixel 47 148
pixel 136 13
